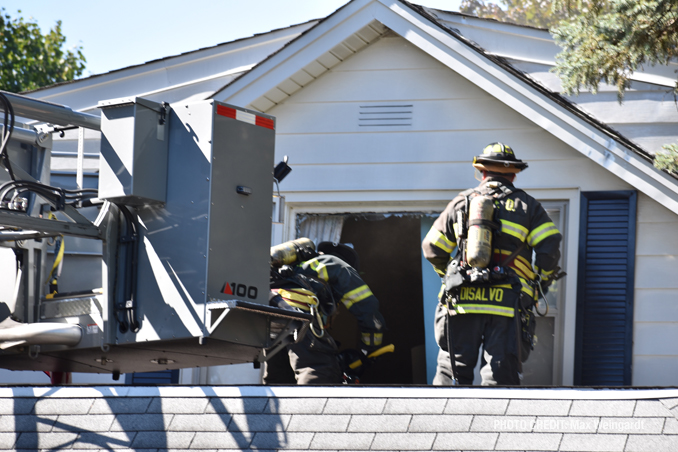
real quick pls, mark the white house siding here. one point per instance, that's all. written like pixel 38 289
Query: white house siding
pixel 655 330
pixel 452 121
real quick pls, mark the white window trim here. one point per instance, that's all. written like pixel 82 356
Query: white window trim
pixel 364 202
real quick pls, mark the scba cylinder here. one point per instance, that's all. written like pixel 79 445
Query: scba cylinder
pixel 479 242
pixel 287 253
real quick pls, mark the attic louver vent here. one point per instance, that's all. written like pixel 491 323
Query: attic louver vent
pixel 391 115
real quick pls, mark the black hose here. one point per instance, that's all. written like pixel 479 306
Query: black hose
pixel 8 123
pixel 55 195
pixel 131 242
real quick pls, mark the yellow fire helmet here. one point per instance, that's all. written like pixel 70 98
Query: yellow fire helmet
pixel 498 158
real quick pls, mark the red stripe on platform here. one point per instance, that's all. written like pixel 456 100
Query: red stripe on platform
pixel 265 122
pixel 226 111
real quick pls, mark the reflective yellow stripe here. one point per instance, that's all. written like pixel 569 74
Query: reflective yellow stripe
pixel 523 268
pixel 298 298
pixel 438 239
pixel 514 229
pixel 372 338
pixel 545 230
pixel 356 295
pixel 483 309
pixel 521 265
pixel 503 286
pixel 319 268
pixel 526 287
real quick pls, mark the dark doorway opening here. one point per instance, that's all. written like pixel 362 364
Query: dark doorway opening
pixel 389 247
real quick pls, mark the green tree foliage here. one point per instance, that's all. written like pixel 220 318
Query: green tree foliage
pixel 30 60
pixel 608 45
pixel 536 13
pixel 667 159
pixel 612 39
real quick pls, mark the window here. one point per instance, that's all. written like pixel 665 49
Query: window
pixel 544 360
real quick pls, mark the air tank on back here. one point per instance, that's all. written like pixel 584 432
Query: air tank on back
pixel 479 242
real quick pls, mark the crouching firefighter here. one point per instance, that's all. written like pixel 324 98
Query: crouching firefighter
pixel 489 284
pixel 314 282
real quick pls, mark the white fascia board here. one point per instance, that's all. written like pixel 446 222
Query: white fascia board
pixel 538 108
pixel 298 54
pixel 340 391
pixel 192 83
pixel 643 77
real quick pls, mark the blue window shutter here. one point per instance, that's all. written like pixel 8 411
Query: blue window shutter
pixel 153 378
pixel 607 249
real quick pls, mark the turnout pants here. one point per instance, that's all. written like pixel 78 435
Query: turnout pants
pixel 496 334
pixel 311 361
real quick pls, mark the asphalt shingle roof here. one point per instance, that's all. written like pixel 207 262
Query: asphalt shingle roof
pixel 173 418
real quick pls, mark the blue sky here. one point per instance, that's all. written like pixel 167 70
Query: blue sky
pixel 120 33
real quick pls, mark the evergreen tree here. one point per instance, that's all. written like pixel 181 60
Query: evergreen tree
pixel 612 39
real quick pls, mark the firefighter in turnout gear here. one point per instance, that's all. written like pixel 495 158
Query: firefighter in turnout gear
pixel 482 246
pixel 314 282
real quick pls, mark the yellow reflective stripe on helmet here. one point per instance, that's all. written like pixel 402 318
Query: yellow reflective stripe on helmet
pixel 483 309
pixel 514 229
pixel 298 298
pixel 319 268
pixel 372 338
pixel 545 230
pixel 356 295
pixel 438 239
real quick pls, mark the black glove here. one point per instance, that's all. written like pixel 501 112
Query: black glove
pixel 352 363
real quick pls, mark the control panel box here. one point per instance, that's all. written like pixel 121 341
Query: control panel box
pixel 134 146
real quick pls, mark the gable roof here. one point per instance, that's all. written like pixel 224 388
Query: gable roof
pixel 283 61
pixel 360 22
pixel 190 75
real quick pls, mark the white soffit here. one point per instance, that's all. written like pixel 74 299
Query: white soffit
pixel 303 60
pixel 319 66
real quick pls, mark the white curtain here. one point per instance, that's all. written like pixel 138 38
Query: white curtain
pixel 321 228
